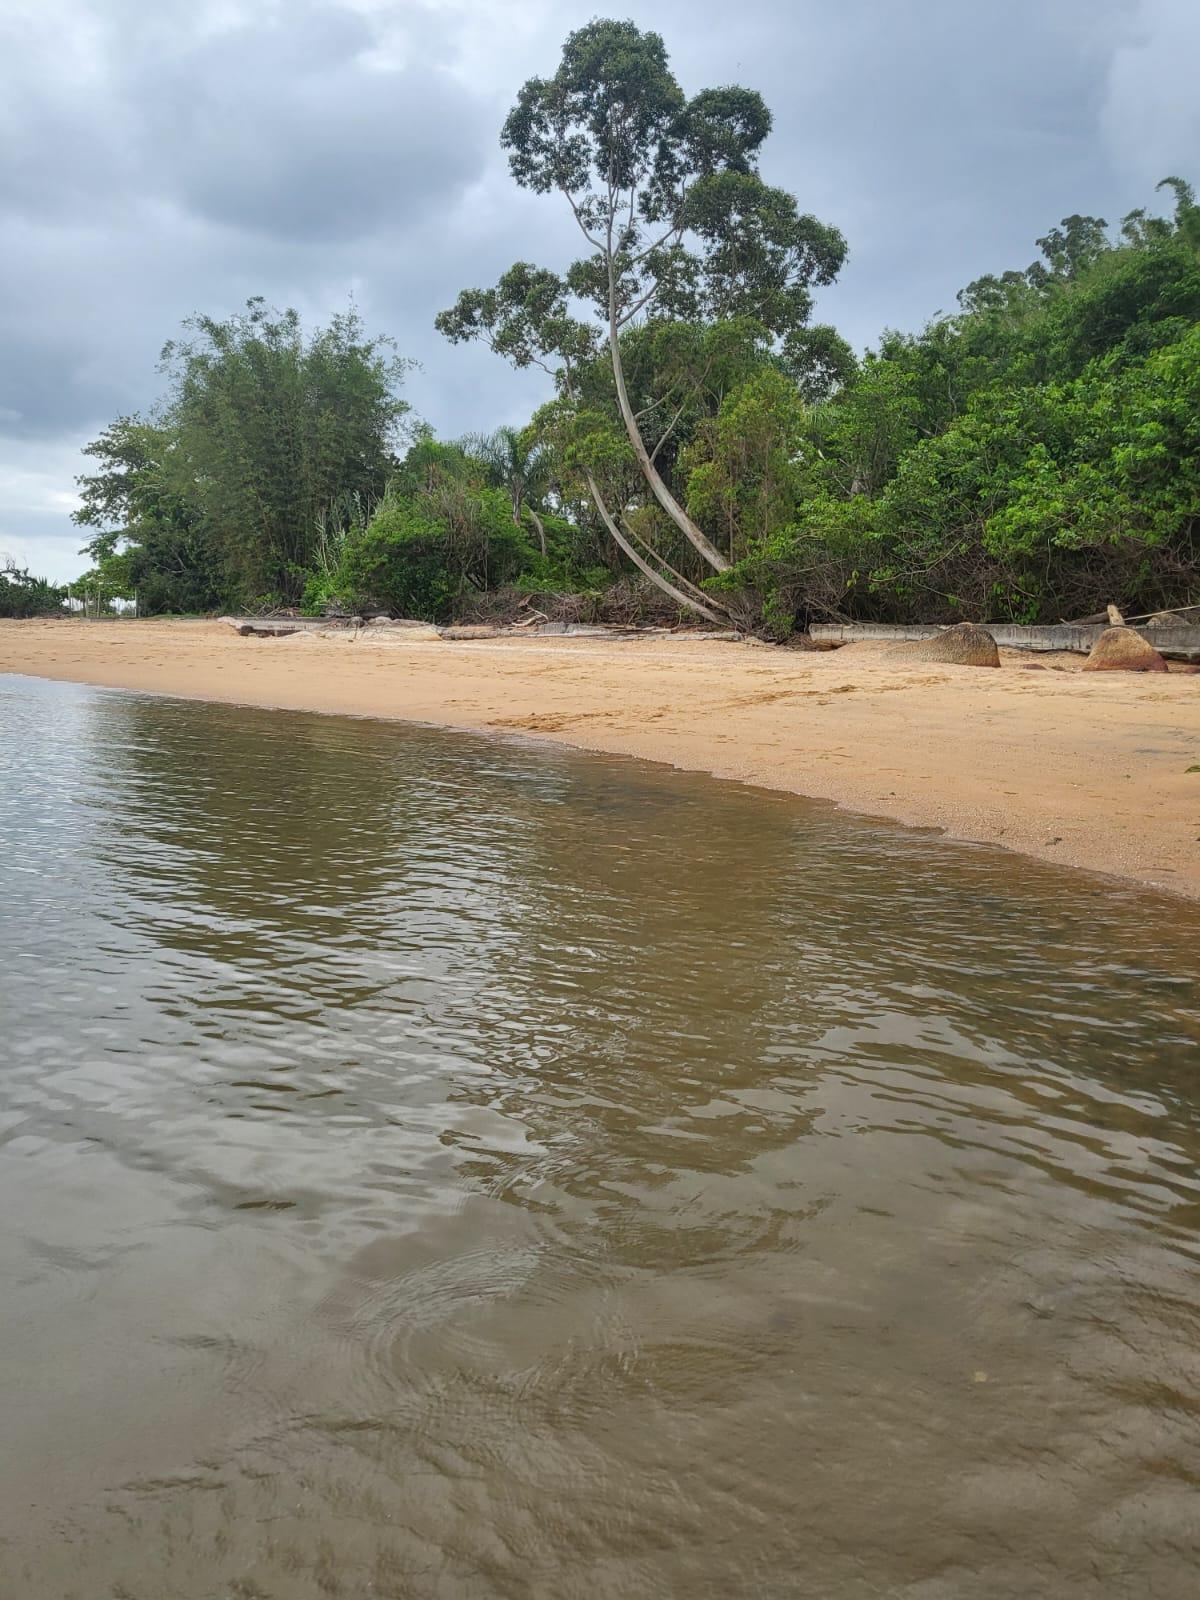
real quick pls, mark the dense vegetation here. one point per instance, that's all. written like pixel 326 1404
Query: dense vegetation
pixel 708 450
pixel 234 491
pixel 23 595
pixel 1030 458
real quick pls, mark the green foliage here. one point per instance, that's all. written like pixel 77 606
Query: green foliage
pixel 1031 458
pixel 666 191
pixel 23 595
pixel 440 532
pixel 743 474
pixel 683 238
pixel 225 496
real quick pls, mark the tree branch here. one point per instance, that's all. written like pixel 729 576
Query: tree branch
pixel 595 243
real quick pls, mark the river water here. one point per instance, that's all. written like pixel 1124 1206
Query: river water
pixel 433 1167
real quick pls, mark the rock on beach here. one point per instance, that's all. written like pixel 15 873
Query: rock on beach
pixel 965 645
pixel 1123 650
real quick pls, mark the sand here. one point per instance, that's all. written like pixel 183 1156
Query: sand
pixel 1088 769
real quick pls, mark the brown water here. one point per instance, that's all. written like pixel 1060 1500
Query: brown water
pixel 435 1167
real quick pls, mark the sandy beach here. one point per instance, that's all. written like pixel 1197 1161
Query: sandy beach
pixel 1087 769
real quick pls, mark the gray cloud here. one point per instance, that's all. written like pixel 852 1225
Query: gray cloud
pixel 155 161
pixel 294 131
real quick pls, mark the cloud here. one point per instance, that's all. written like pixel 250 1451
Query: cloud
pixel 160 160
pixel 36 500
pixel 294 129
pixel 1151 115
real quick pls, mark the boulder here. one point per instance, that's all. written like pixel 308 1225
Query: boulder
pixel 1123 650
pixel 1167 619
pixel 965 645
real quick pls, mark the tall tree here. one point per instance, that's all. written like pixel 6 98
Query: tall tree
pixel 263 429
pixel 678 222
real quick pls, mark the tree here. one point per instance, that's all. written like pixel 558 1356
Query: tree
pixel 152 539
pixel 743 467
pixel 517 463
pixel 680 228
pixel 1069 250
pixel 225 489
pixel 1030 458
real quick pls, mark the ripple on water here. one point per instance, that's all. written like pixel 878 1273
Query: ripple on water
pixel 439 1167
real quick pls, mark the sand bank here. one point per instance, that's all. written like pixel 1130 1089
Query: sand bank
pixel 1080 768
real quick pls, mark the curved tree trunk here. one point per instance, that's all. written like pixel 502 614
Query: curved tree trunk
pixel 642 564
pixel 649 471
pixel 684 583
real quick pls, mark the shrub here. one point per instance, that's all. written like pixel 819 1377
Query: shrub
pixel 23 595
pixel 420 554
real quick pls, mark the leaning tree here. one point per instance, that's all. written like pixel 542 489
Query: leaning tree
pixel 679 227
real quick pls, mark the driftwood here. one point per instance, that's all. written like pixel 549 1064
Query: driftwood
pixel 1147 616
pixel 263 627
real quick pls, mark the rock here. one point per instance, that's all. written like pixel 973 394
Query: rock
pixel 1033 666
pixel 965 645
pixel 1167 619
pixel 1123 650
pixel 1115 617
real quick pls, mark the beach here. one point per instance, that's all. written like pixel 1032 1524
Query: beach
pixel 1084 769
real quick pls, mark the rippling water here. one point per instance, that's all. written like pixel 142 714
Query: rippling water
pixel 436 1167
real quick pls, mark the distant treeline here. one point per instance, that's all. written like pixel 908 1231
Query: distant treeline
pixel 708 450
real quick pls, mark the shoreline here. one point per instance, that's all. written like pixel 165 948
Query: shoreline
pixel 1086 770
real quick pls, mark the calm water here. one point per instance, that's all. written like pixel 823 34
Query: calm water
pixel 434 1167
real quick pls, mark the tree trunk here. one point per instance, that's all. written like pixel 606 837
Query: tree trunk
pixel 642 564
pixel 541 529
pixel 684 583
pixel 649 471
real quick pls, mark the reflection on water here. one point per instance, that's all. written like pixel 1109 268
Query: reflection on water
pixel 432 1167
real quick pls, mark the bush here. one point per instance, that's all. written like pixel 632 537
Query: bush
pixel 23 595
pixel 420 555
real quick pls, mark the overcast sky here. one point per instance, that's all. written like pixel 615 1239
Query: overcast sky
pixel 161 157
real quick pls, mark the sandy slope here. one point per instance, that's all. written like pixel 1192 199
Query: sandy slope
pixel 1089 769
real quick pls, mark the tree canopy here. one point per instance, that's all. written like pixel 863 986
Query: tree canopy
pixel 681 233
pixel 219 497
pixel 1032 457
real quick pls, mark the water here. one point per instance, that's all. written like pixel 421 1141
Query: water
pixel 436 1167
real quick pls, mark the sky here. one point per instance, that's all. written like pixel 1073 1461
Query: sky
pixel 158 160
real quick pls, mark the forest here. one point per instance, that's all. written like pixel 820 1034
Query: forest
pixel 709 452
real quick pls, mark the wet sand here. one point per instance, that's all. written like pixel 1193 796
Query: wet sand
pixel 1085 769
